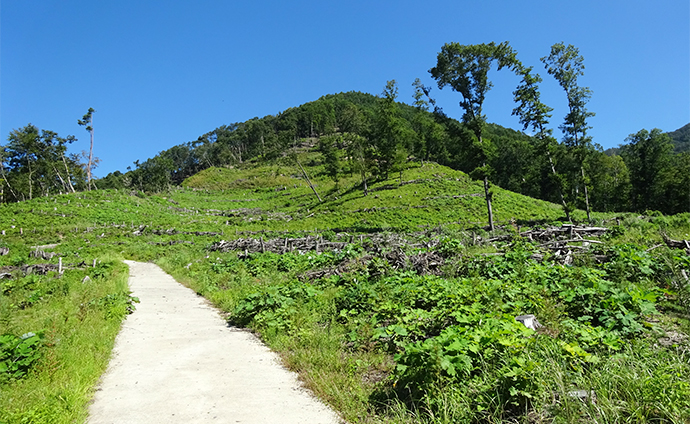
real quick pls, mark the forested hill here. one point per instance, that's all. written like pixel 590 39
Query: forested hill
pixel 424 135
pixel 681 139
pixel 377 135
pixel 374 137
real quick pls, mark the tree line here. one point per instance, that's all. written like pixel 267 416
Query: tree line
pixel 35 163
pixel 378 136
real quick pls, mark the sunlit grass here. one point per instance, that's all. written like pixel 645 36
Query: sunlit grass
pixel 78 335
pixel 275 201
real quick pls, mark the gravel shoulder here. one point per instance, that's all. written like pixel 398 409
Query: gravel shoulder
pixel 177 361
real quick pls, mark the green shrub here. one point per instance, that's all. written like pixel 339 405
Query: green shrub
pixel 19 354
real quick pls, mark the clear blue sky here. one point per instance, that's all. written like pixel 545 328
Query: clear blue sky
pixel 161 73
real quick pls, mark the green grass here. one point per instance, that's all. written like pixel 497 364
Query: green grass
pixel 78 323
pixel 346 335
pixel 330 332
pixel 426 201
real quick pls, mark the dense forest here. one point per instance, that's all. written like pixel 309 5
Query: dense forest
pixel 374 136
pixel 681 139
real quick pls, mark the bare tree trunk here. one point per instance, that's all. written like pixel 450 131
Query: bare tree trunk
pixel 487 195
pixel 364 180
pixel 90 155
pixel 560 191
pixel 487 192
pixel 64 162
pixel 44 189
pixel 4 177
pixel 30 181
pixel 64 185
pixel 584 183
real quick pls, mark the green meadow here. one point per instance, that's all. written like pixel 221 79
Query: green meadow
pixel 397 306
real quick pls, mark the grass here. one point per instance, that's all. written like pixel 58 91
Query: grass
pixel 329 336
pixel 78 322
pixel 345 334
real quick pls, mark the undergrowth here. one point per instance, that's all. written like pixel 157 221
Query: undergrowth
pixel 56 334
pixel 370 332
pixel 389 343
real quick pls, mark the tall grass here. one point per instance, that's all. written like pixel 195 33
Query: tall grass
pixel 79 322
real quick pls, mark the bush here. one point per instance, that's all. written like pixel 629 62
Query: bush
pixel 18 354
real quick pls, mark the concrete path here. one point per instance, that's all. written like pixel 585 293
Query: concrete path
pixel 176 361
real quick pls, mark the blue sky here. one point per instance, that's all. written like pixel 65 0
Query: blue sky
pixel 161 73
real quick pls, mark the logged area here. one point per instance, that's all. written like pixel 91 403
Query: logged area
pixel 394 305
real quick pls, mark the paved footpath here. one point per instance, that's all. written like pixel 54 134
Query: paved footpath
pixel 177 361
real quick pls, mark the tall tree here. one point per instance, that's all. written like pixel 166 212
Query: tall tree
pixel 361 154
pixel 610 182
pixel 330 147
pixel 533 113
pixel 22 152
pixel 430 142
pixel 350 119
pixel 676 184
pixel 87 121
pixel 566 64
pixel 647 155
pixel 465 69
pixel 391 134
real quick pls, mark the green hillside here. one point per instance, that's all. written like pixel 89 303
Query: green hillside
pixel 354 234
pixel 387 135
pixel 681 139
pixel 396 306
pixel 430 195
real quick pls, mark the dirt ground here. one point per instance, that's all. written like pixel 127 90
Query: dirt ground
pixel 177 361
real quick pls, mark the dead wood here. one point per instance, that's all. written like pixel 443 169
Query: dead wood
pixel 40 254
pixel 677 244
